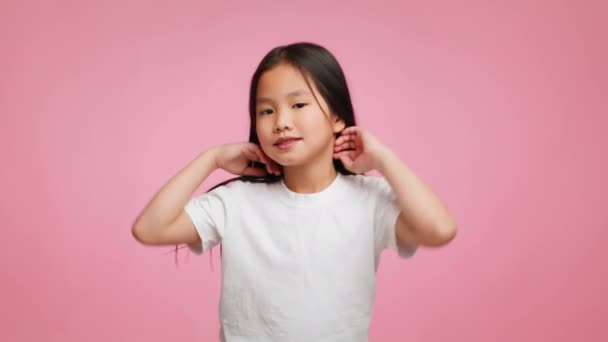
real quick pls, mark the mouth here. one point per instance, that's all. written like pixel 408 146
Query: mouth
pixel 284 143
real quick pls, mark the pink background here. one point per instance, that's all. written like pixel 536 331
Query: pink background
pixel 500 107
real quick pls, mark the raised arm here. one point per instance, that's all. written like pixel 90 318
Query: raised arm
pixel 164 221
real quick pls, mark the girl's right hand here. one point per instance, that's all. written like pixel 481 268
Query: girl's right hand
pixel 238 159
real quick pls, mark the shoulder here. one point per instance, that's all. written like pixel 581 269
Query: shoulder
pixel 372 190
pixel 243 188
pixel 367 183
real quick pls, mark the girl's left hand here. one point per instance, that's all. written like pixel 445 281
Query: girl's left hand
pixel 358 150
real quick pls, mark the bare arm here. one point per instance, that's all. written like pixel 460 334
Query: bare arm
pixel 424 218
pixel 163 220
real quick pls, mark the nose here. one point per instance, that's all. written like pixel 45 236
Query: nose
pixel 283 121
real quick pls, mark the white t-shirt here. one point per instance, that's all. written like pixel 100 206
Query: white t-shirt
pixel 298 267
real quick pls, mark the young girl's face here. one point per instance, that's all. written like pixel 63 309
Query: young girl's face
pixel 292 128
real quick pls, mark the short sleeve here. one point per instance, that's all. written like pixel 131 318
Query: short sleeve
pixel 208 212
pixel 385 218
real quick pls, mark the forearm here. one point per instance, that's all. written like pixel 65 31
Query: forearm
pixel 170 200
pixel 426 217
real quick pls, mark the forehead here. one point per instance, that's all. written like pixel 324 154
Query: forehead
pixel 282 80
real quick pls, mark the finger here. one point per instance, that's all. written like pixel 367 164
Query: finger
pixel 251 154
pixel 269 162
pixel 272 166
pixel 259 154
pixel 340 148
pixel 276 168
pixel 350 154
pixel 262 157
pixel 345 146
pixel 345 158
pixel 350 130
pixel 345 137
pixel 256 153
pixel 339 143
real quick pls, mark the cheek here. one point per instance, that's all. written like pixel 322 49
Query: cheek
pixel 262 131
pixel 308 120
pixel 315 122
pixel 259 127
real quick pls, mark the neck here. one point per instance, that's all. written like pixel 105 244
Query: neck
pixel 309 179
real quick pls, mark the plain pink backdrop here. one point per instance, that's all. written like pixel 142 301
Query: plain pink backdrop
pixel 499 106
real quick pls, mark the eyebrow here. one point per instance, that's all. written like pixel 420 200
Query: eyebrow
pixel 292 94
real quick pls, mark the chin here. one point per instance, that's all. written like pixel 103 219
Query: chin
pixel 287 162
pixel 290 160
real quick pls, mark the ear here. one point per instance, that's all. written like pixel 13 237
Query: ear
pixel 339 124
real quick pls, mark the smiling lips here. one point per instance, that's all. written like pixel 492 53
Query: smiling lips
pixel 287 142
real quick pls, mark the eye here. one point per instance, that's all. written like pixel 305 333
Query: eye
pixel 266 111
pixel 299 105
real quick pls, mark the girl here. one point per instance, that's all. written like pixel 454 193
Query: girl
pixel 302 229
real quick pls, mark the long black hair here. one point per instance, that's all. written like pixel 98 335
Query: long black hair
pixel 316 63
